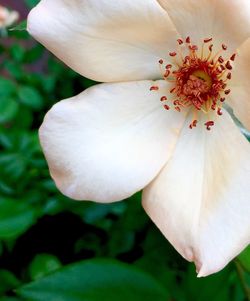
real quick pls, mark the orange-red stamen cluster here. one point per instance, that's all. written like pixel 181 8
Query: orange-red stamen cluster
pixel 199 79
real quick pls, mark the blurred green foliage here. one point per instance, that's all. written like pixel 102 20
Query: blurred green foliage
pixel 52 248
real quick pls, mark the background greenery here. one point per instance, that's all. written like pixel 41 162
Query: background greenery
pixel 55 249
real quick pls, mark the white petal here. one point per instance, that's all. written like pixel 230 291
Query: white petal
pixel 110 141
pixel 200 200
pixel 239 98
pixel 103 40
pixel 227 21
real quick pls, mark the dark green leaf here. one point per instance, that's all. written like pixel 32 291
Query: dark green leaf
pixel 30 97
pixel 95 280
pixel 7 88
pixel 8 109
pixel 15 218
pixel 244 258
pixel 31 3
pixel 8 281
pixel 43 264
pixel 20 27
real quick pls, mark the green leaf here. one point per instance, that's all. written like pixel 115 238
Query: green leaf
pixel 13 164
pixel 24 118
pixel 20 27
pixel 15 218
pixel 42 265
pixel 30 97
pixel 7 88
pixel 212 287
pixel 244 258
pixel 17 52
pixel 95 280
pixel 9 299
pixel 8 281
pixel 31 3
pixel 8 109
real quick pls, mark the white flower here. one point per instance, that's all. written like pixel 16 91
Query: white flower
pixel 7 17
pixel 117 138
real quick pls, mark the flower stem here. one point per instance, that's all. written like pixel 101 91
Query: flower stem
pixel 240 272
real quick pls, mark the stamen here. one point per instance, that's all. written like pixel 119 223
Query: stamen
pixel 221 60
pixel 166 74
pixel 232 58
pixel 219 112
pixel 154 88
pixel 208 40
pixel 193 124
pixel 198 81
pixel 193 47
pixel 229 66
pixel 172 53
pixel 209 124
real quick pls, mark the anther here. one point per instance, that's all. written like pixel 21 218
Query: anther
pixel 210 47
pixel 177 109
pixel 193 47
pixel 229 75
pixel 166 107
pixel 208 40
pixel 227 91
pixel 169 66
pixel 180 41
pixel 219 112
pixel 213 106
pixel 219 69
pixel 232 58
pixel 163 98
pixel 172 53
pixel 193 124
pixel 172 90
pixel 161 61
pixel 224 47
pixel 229 66
pixel 222 99
pixel 166 74
pixel 209 124
pixel 154 88
pixel 221 60
pixel 188 40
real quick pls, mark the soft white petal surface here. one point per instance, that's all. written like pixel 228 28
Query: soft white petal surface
pixel 200 200
pixel 105 40
pixel 227 21
pixel 239 98
pixel 110 141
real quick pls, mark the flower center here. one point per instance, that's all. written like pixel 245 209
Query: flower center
pixel 199 79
